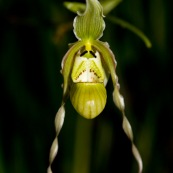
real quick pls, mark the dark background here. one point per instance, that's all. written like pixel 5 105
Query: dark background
pixel 34 36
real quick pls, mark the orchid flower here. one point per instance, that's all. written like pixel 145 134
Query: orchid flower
pixel 86 68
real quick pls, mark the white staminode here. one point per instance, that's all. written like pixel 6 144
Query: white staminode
pixel 88 69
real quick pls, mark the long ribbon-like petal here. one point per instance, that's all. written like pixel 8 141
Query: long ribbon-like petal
pixel 109 59
pixel 59 120
pixel 119 102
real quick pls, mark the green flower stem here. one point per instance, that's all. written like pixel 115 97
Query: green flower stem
pixel 132 28
pixel 82 147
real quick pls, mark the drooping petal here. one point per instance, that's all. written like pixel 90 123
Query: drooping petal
pixel 89 24
pixel 59 120
pixel 109 59
pixel 119 102
pixel 67 64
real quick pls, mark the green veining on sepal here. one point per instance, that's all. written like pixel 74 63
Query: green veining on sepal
pixel 89 24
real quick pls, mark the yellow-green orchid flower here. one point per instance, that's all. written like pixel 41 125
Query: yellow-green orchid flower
pixel 86 68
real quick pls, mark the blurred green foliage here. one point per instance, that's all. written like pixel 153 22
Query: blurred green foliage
pixel 34 35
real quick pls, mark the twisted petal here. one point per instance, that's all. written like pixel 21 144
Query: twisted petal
pixel 109 59
pixel 59 120
pixel 119 102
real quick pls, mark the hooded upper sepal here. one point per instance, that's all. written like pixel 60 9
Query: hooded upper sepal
pixel 90 23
